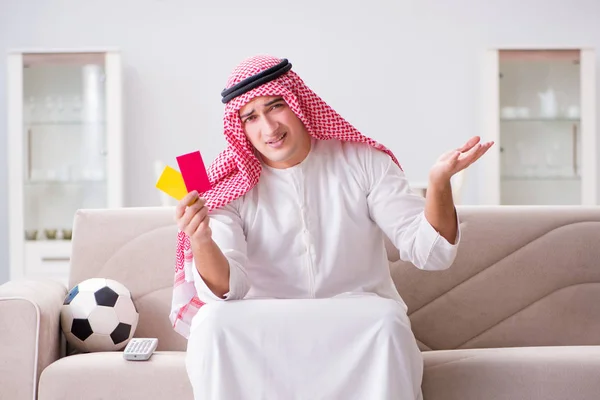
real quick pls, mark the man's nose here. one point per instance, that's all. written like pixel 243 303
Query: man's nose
pixel 269 125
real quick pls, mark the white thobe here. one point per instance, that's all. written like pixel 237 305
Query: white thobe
pixel 319 316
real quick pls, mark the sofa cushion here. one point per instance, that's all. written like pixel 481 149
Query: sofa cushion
pixel 106 375
pixel 535 373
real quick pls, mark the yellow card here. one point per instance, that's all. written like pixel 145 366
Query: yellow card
pixel 171 182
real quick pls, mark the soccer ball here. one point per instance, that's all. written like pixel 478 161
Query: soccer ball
pixel 98 315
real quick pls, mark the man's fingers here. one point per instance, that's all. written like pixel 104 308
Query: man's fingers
pixel 198 222
pixel 188 214
pixel 193 215
pixel 183 203
pixel 196 200
pixel 193 209
pixel 482 149
pixel 190 198
pixel 473 155
pixel 470 143
pixel 469 155
pixel 454 158
pixel 179 210
pixel 204 227
pixel 194 224
pixel 205 222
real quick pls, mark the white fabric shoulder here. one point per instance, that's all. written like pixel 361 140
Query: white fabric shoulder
pixel 367 163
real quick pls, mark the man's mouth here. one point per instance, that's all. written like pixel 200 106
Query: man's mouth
pixel 278 138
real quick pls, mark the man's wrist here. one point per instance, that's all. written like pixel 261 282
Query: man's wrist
pixel 438 184
pixel 199 243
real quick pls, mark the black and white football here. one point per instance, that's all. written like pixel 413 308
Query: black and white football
pixel 98 315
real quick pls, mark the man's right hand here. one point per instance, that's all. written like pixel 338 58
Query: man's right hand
pixel 192 218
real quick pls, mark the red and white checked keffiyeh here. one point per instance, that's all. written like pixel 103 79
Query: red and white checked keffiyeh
pixel 236 170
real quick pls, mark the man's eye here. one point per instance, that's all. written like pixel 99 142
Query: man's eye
pixel 249 119
pixel 277 105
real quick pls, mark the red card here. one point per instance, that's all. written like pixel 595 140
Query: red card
pixel 193 172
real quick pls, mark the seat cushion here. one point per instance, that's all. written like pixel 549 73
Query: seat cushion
pixel 106 375
pixel 535 373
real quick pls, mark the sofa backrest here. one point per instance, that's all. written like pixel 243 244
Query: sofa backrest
pixel 524 276
pixel 136 247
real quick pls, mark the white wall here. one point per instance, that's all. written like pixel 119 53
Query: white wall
pixel 405 72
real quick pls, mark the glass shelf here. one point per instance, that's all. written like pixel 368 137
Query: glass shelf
pixel 66 174
pixel 64 123
pixel 65 182
pixel 45 241
pixel 540 120
pixel 541 178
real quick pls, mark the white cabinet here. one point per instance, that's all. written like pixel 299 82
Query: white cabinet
pixel 540 109
pixel 47 259
pixel 64 151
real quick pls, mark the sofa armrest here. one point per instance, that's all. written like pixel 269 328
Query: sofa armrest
pixel 30 335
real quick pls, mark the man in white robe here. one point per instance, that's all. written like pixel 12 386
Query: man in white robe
pixel 283 286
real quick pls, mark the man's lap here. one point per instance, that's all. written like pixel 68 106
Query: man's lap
pixel 342 311
pixel 350 344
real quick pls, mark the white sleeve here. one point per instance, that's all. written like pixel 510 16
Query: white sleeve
pixel 399 212
pixel 227 232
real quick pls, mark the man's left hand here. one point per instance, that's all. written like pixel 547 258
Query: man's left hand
pixel 456 160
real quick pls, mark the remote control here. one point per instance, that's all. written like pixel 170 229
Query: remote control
pixel 140 349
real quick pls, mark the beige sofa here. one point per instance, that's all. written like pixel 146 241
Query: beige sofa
pixel 516 317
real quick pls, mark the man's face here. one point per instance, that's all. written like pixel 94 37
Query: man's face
pixel 275 131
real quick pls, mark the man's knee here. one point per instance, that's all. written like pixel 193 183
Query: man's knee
pixel 391 318
pixel 212 319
